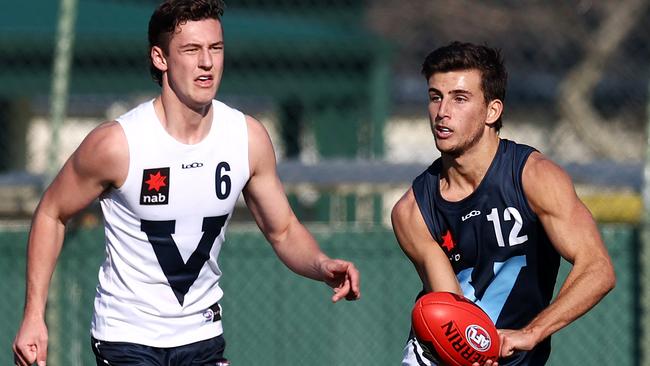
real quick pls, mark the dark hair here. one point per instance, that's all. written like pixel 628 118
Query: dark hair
pixel 467 56
pixel 172 13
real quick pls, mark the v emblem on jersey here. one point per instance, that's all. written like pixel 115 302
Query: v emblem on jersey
pixel 181 275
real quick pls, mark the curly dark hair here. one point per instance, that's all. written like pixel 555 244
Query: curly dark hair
pixel 467 56
pixel 170 14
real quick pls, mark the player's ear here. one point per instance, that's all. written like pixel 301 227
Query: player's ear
pixel 494 110
pixel 158 58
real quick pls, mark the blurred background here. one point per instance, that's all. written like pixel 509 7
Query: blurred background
pixel 337 83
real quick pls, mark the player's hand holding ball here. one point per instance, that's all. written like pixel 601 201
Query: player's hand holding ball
pixel 454 331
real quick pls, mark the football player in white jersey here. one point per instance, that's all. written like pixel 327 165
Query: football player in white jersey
pixel 187 52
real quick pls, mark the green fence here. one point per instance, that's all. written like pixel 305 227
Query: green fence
pixel 608 334
pixel 274 317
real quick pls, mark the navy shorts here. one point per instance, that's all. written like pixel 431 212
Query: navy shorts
pixel 204 353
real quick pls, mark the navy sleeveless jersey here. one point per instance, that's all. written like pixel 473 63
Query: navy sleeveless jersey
pixel 497 246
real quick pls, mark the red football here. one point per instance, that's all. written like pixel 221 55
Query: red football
pixel 454 330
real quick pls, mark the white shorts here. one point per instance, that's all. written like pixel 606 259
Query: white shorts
pixel 414 354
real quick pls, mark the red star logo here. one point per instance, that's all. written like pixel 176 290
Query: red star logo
pixel 156 181
pixel 448 241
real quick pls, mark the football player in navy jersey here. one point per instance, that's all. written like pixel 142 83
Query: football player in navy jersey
pixel 173 165
pixel 490 219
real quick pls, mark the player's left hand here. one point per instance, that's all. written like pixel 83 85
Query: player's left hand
pixel 512 341
pixel 516 340
pixel 343 277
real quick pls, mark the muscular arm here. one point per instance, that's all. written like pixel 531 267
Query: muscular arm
pixel 291 241
pixel 414 238
pixel 574 234
pixel 100 161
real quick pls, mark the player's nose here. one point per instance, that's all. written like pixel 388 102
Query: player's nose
pixel 205 60
pixel 443 110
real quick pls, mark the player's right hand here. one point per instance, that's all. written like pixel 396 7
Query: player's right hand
pixel 30 345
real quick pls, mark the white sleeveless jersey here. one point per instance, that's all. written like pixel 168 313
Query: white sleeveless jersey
pixel 164 229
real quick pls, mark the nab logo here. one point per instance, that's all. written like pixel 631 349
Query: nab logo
pixel 155 187
pixel 478 338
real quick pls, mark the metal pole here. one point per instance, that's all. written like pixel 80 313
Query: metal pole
pixel 60 79
pixel 644 280
pixel 63 51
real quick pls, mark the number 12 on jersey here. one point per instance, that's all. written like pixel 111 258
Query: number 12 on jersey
pixel 508 214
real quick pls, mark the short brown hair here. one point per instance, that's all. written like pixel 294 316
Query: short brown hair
pixel 170 14
pixel 467 56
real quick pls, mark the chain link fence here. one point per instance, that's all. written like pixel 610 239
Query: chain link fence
pixel 337 85
pixel 274 317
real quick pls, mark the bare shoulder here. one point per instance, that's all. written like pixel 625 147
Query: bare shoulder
pixel 103 153
pixel 546 184
pixel 260 149
pixel 540 170
pixel 100 161
pixel 107 134
pixel 407 222
pixel 538 164
pixel 257 133
pixel 405 208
